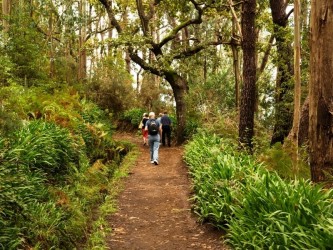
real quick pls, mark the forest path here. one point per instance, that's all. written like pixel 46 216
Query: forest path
pixel 154 210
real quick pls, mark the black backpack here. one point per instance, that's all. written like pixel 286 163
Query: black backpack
pixel 153 128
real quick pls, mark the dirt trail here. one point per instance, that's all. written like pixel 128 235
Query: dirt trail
pixel 154 210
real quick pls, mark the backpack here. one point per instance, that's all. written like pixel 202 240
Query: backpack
pixel 153 128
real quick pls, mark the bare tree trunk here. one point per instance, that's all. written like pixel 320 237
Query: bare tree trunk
pixel 127 56
pixel 82 69
pixel 236 60
pixel 321 90
pixel 6 7
pixel 303 133
pixel 248 94
pixel 50 38
pixel 293 136
pixel 297 72
pixel 155 33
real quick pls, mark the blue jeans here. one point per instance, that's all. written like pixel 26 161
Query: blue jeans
pixel 154 144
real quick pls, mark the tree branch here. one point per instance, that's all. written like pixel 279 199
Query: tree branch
pixel 193 50
pixel 289 13
pixel 108 6
pixel 236 19
pixel 143 18
pixel 265 57
pixel 172 34
pixel 144 64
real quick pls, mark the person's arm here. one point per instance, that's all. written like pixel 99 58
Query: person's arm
pixel 160 130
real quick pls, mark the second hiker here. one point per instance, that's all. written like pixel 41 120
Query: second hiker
pixel 154 129
pixel 166 129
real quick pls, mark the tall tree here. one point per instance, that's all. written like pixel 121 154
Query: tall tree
pixel 82 52
pixel 248 93
pixel 321 90
pixel 235 42
pixel 166 51
pixel 6 6
pixel 297 70
pixel 284 86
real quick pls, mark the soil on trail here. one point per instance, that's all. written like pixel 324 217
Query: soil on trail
pixel 154 210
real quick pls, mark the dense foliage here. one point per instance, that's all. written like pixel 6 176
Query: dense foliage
pixel 258 209
pixel 70 69
pixel 56 165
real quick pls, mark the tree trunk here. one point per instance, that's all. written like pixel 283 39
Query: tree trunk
pixel 283 99
pixel 303 133
pixel 297 68
pixel 235 54
pixel 127 56
pixel 179 87
pixel 321 90
pixel 82 70
pixel 6 4
pixel 248 93
pixel 50 38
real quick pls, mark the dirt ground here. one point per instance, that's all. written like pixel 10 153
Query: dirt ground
pixel 154 211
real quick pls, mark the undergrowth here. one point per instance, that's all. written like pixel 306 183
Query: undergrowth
pixel 57 164
pixel 257 208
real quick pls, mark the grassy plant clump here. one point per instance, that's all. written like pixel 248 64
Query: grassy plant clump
pixel 281 214
pixel 28 216
pixel 43 146
pixel 214 168
pixel 259 209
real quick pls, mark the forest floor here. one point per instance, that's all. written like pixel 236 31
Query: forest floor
pixel 154 211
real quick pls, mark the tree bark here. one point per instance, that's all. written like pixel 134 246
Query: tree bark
pixel 236 37
pixel 283 99
pixel 6 6
pixel 82 67
pixel 297 69
pixel 248 93
pixel 321 90
pixel 303 133
pixel 180 88
pixel 50 38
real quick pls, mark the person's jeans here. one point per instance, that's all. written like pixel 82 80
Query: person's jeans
pixel 154 144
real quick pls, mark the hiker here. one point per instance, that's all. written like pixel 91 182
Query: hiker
pixel 144 132
pixel 166 129
pixel 154 129
pixel 159 117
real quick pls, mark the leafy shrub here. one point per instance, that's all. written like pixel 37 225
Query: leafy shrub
pixel 6 68
pixel 9 121
pixel 130 119
pixel 134 116
pixel 258 209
